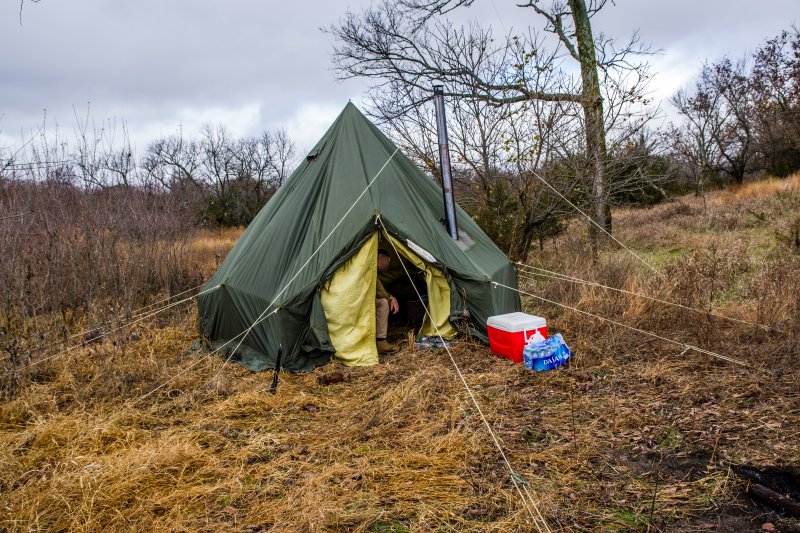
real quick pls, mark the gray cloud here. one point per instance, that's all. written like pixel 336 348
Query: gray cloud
pixel 254 65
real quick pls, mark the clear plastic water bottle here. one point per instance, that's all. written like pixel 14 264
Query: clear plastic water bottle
pixel 533 349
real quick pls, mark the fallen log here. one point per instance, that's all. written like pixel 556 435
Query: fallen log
pixel 774 500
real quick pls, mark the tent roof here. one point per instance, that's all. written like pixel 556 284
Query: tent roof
pixel 322 189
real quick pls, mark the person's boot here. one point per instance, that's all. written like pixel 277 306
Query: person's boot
pixel 385 346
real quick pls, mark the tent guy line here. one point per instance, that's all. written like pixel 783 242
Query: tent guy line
pixel 206 356
pixel 132 322
pixel 537 516
pixel 563 277
pixel 666 339
pixel 136 313
pixel 590 219
pixel 199 360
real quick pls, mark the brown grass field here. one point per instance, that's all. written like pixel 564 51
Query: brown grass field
pixel 636 434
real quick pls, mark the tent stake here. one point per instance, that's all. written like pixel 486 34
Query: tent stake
pixel 274 385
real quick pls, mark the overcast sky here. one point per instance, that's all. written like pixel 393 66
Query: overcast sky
pixel 254 65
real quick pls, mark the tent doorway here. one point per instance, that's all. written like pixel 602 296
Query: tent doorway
pixel 348 297
pixel 411 294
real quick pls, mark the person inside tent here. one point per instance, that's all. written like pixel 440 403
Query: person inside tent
pixel 384 304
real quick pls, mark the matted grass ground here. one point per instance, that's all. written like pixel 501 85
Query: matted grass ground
pixel 633 435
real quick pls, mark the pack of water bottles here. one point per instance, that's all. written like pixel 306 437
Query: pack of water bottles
pixel 542 354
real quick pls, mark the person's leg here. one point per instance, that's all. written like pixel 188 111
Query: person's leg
pixel 381 318
pixel 382 326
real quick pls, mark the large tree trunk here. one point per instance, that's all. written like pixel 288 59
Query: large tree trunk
pixel 593 114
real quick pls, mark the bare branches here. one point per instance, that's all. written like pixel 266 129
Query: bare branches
pixel 21 4
pixel 18 215
pixel 555 17
pixel 742 116
pixel 407 47
pixel 172 160
pixel 718 134
pixel 497 153
pixel 383 45
pixel 423 10
pixel 225 179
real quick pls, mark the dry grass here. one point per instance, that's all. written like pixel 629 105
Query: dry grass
pixel 762 188
pixel 633 435
pixel 211 245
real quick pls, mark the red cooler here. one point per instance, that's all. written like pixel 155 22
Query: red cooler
pixel 508 333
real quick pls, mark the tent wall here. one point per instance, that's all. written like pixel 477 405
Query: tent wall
pixel 348 299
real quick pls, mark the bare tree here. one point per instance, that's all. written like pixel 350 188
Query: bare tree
pixel 218 159
pixel 736 138
pixel 265 161
pixel 117 158
pixel 225 179
pixel 234 176
pixel 102 154
pixel 694 142
pixel 403 45
pixel 740 119
pixel 88 138
pixel 500 157
pixel 775 83
pixel 172 161
pixel 718 137
pixel 283 153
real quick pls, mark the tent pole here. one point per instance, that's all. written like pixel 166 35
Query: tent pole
pixel 444 159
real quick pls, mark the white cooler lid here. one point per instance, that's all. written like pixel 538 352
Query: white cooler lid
pixel 516 322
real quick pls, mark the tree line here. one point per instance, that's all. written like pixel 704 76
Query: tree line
pixel 742 116
pixel 218 179
pixel 541 123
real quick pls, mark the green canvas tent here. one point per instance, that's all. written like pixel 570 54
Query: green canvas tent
pixel 312 251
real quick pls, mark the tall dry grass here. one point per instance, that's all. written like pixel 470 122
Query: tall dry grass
pixel 79 261
pixel 636 434
pixel 729 257
pixel 210 246
pixel 761 188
